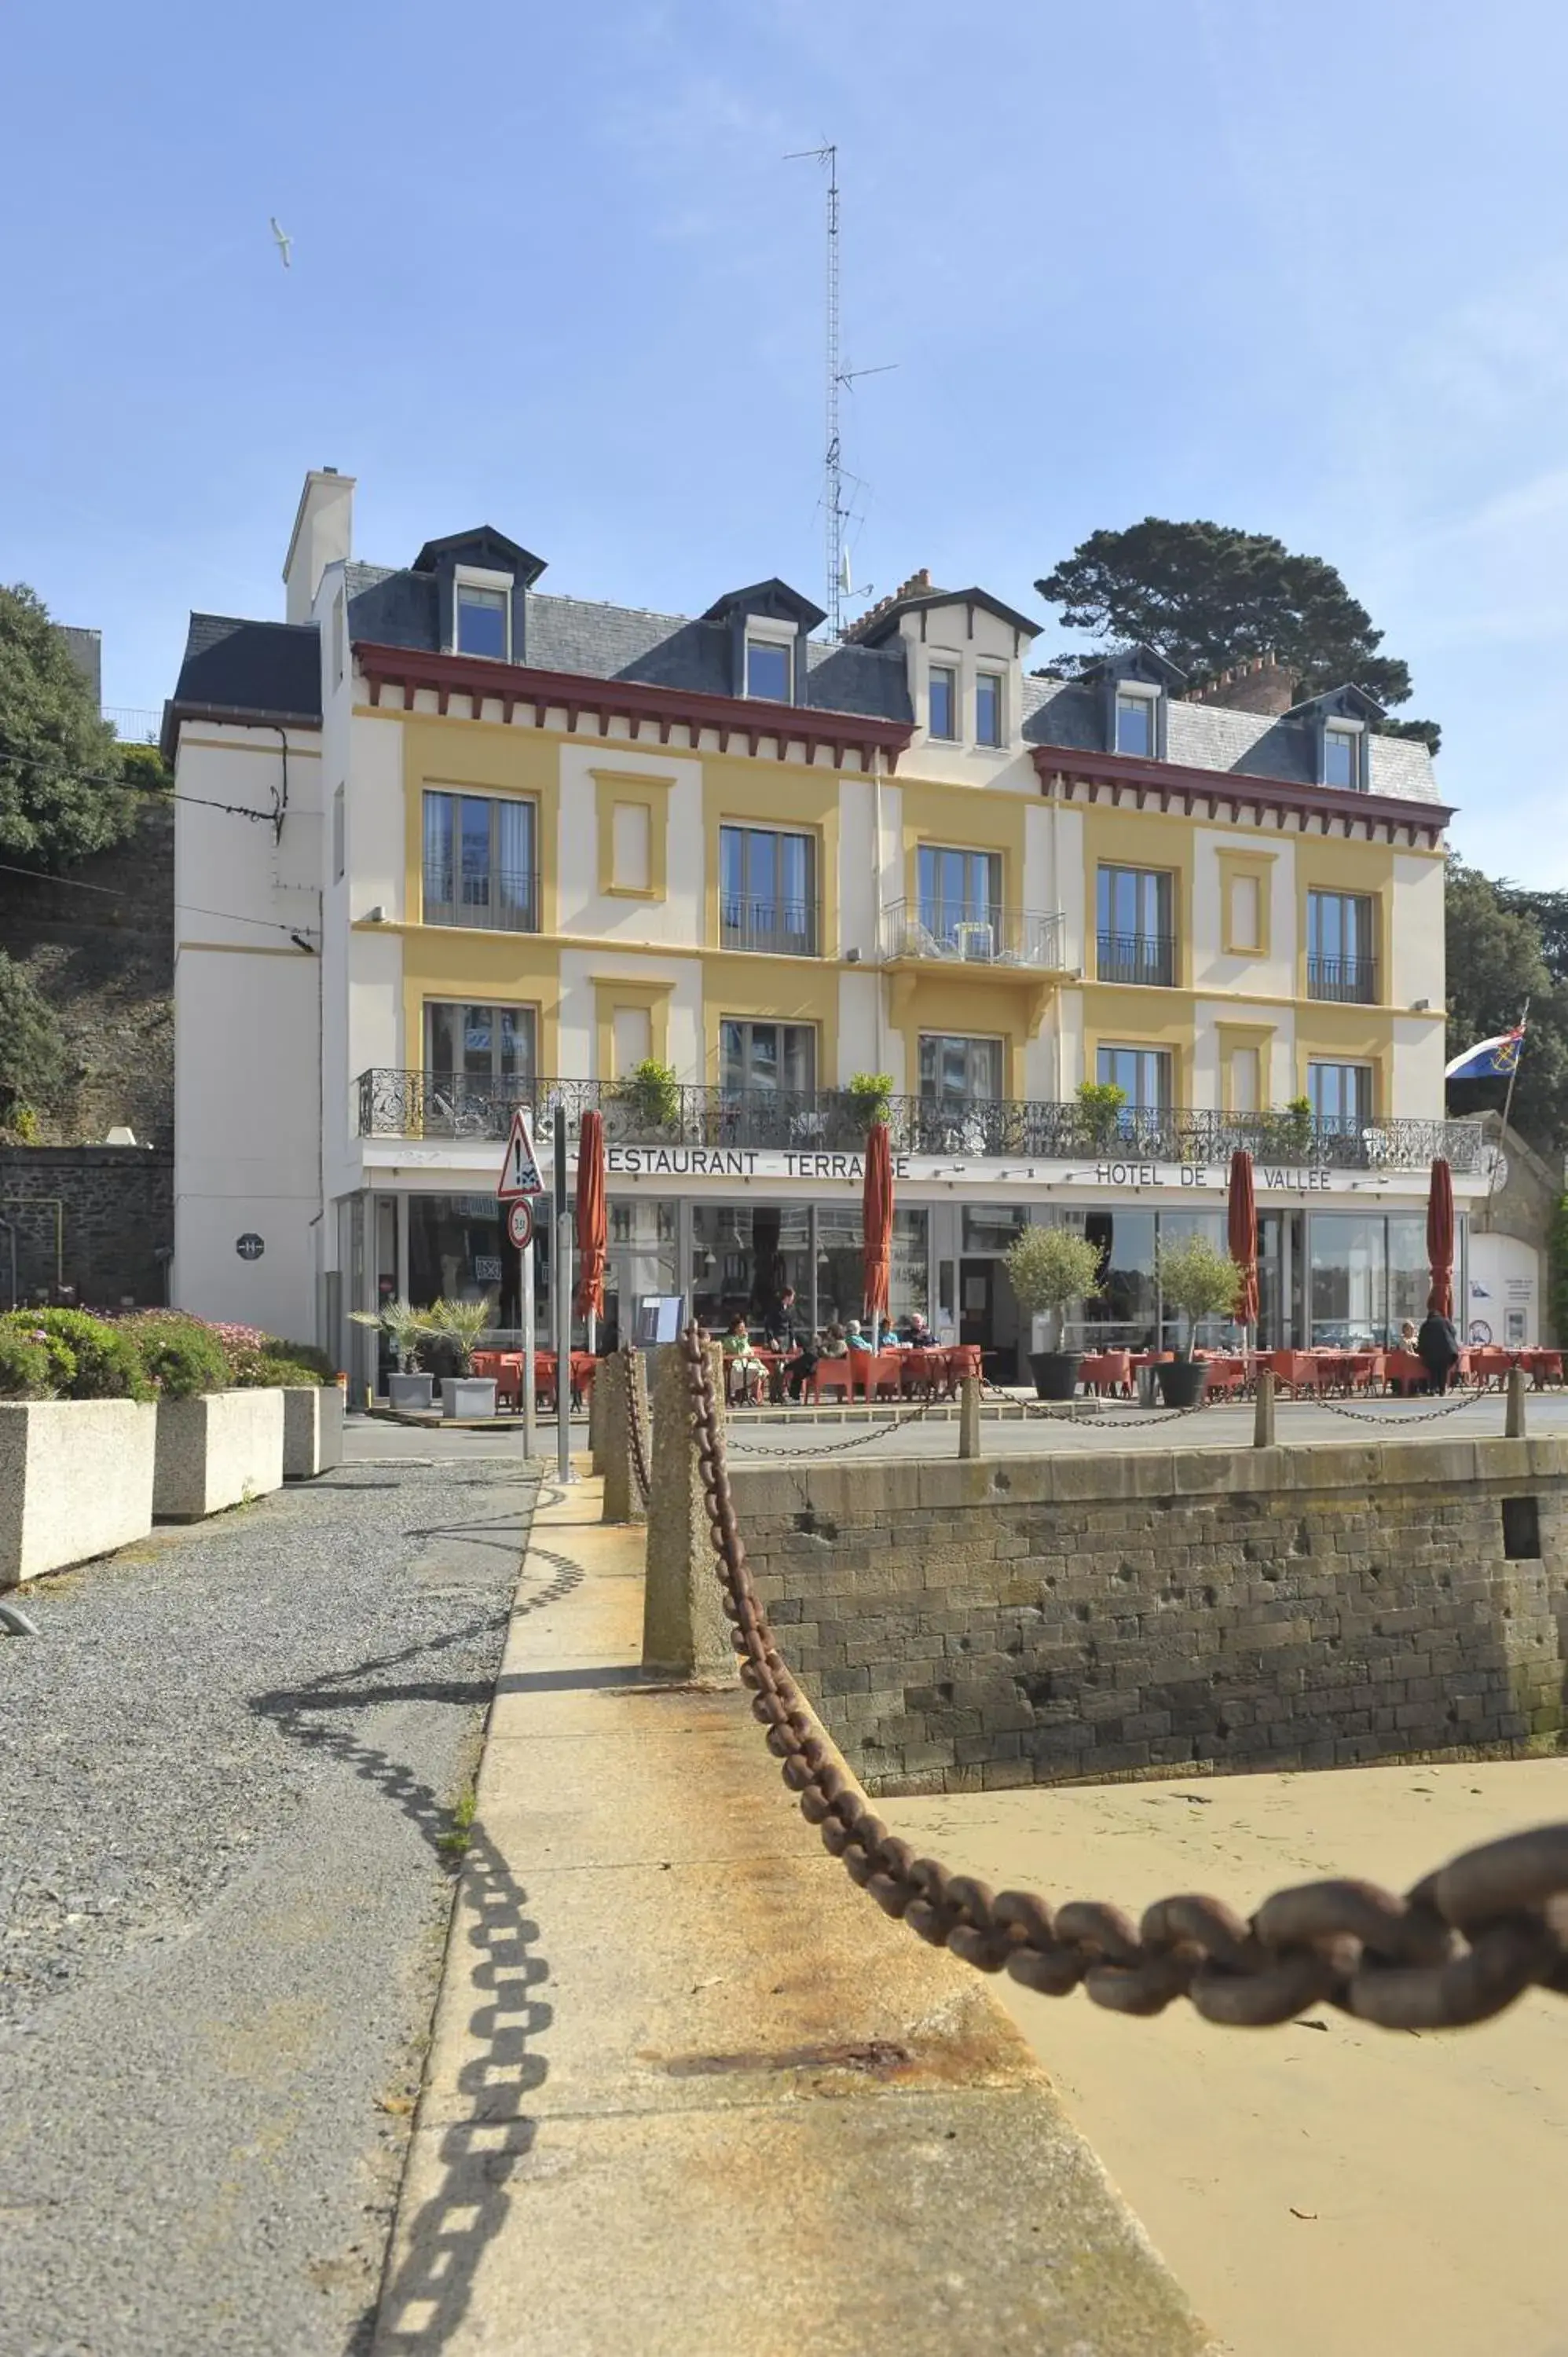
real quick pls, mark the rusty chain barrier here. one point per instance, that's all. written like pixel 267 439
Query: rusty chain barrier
pixel 636 1437
pixel 1459 1947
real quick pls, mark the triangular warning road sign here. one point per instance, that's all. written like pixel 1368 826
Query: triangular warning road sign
pixel 520 1172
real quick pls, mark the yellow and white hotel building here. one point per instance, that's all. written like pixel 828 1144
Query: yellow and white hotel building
pixel 447 844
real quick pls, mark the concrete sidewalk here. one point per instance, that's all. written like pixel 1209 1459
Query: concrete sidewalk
pixel 690 2089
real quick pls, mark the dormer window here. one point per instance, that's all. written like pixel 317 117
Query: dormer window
pixel 1342 756
pixel 769 668
pixel 482 614
pixel 987 707
pixel 1137 716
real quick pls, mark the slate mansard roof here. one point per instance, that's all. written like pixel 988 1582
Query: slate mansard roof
pixel 1071 713
pixel 269 672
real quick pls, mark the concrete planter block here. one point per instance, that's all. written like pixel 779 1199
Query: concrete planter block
pixel 312 1430
pixel 76 1480
pixel 413 1394
pixel 217 1450
pixel 469 1397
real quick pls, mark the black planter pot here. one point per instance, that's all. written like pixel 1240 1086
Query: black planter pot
pixel 1182 1381
pixel 1055 1373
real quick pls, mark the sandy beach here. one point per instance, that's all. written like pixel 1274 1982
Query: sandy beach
pixel 1317 2188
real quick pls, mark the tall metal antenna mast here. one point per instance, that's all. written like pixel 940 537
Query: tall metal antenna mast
pixel 832 494
pixel 838 376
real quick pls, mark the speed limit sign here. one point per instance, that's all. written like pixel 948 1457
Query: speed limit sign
pixel 520 1222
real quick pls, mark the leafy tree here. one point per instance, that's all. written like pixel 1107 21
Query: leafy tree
pixel 1495 964
pixel 1207 596
pixel 1547 910
pixel 61 793
pixel 31 1047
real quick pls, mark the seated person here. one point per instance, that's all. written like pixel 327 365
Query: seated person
pixel 915 1332
pixel 741 1363
pixel 834 1343
pixel 853 1338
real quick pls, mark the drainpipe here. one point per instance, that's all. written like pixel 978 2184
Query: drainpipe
pixel 1057 889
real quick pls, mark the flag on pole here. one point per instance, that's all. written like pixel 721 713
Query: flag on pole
pixel 1489 1060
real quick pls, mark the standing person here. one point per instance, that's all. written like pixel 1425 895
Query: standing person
pixel 786 1330
pixel 1437 1348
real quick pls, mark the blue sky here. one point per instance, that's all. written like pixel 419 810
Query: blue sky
pixel 1300 270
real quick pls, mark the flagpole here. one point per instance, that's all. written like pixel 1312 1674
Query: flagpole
pixel 1508 1108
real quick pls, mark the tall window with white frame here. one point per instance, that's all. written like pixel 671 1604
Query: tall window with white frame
pixel 1342 757
pixel 961 900
pixel 1137 722
pixel 989 718
pixel 954 1067
pixel 1341 947
pixel 1144 1077
pixel 941 691
pixel 768 1077
pixel 769 668
pixel 1135 940
pixel 768 890
pixel 1340 1096
pixel 480 862
pixel 477 1057
pixel 482 620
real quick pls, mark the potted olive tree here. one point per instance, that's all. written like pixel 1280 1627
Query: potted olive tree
pixel 1197 1280
pixel 1048 1269
pixel 405 1328
pixel 459 1324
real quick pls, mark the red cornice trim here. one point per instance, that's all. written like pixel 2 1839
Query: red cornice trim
pixel 631 699
pixel 1238 791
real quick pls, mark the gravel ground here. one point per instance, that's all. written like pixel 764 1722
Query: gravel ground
pixel 227 1765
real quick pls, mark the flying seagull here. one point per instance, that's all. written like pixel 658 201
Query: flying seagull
pixel 283 243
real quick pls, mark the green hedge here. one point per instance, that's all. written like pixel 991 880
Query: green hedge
pixel 24 1370
pixel 97 1361
pixel 181 1356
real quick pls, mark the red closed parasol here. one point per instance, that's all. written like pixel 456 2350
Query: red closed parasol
pixel 1242 1236
pixel 877 1214
pixel 592 1218
pixel 1440 1239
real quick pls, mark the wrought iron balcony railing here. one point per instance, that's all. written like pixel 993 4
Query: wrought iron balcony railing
pixel 452 1106
pixel 1352 981
pixel 1148 958
pixel 505 900
pixel 762 921
pixel 961 932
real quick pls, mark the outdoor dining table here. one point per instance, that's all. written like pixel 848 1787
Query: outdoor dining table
pixel 1492 1364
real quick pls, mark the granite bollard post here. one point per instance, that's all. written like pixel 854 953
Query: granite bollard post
pixel 1513 1427
pixel 685 1635
pixel 597 1404
pixel 622 1503
pixel 969 1415
pixel 1263 1410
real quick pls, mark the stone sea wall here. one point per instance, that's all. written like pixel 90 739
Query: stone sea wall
pixel 971 1625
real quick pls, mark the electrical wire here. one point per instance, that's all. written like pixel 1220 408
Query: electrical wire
pixel 165 793
pixel 224 916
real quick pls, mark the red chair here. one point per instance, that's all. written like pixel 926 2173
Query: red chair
pixel 963 1359
pixel 881 1374
pixel 832 1376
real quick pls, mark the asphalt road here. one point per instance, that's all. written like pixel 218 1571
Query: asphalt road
pixel 227 1764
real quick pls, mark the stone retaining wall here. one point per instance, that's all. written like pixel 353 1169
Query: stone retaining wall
pixel 973 1625
pixel 103 1210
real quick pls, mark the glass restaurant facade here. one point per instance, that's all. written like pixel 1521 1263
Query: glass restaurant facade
pixel 1342 1255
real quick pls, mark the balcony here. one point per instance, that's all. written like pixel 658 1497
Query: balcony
pixel 1147 958
pixel 768 925
pixel 503 900
pixel 955 933
pixel 1349 981
pixel 444 1105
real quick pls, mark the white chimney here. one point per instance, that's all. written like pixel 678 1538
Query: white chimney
pixel 323 532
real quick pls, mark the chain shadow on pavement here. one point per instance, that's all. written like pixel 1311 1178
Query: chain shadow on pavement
pixel 421 2302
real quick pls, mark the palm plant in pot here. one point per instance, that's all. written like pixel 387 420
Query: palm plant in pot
pixel 460 1324
pixel 1197 1280
pixel 1049 1268
pixel 406 1328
